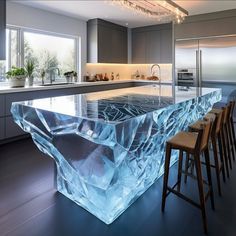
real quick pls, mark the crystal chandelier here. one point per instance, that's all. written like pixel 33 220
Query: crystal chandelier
pixel 161 10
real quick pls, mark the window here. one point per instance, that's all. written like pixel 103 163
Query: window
pixel 12 52
pixel 47 50
pixel 50 51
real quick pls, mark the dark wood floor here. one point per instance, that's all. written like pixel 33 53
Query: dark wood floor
pixel 30 206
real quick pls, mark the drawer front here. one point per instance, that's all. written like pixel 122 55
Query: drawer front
pixel 12 129
pixel 2 128
pixel 2 105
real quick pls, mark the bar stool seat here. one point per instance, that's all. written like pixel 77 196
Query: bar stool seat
pixel 192 143
pixel 184 140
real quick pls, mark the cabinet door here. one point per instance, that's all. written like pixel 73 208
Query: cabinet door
pixel 2 128
pixel 119 46
pixel 166 46
pixel 2 105
pixel 3 30
pixel 139 47
pixel 12 129
pixel 104 44
pixel 153 51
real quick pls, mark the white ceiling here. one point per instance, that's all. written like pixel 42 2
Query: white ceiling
pixel 88 9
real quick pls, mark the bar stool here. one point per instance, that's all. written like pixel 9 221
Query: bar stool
pixel 214 137
pixel 231 129
pixel 220 138
pixel 193 143
pixel 232 121
pixel 226 140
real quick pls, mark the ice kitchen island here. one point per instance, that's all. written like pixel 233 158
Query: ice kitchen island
pixel 109 146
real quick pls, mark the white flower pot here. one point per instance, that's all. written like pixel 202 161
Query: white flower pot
pixel 31 80
pixel 18 81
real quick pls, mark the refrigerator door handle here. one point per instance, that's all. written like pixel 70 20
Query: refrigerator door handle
pixel 200 68
pixel 196 82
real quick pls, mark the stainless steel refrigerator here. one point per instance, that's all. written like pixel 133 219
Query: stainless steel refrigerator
pixel 206 60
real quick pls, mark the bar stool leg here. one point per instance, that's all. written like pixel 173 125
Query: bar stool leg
pixel 233 131
pixel 186 168
pixel 180 170
pixel 200 189
pixel 208 168
pixel 166 175
pixel 222 147
pixel 227 148
pixel 230 128
pixel 221 156
pixel 230 143
pixel 216 160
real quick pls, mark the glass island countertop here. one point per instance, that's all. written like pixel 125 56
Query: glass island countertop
pixel 109 146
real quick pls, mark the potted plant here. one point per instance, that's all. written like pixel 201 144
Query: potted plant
pixel 68 76
pixel 16 76
pixel 30 66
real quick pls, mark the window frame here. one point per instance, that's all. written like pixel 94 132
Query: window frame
pixel 20 45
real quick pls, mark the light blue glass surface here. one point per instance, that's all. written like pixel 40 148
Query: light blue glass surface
pixel 109 146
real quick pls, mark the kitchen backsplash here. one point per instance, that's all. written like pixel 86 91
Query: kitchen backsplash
pixel 127 71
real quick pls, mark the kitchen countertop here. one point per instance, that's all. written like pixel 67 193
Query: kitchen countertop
pixel 4 89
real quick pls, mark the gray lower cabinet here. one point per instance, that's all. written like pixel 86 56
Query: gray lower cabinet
pixel 2 105
pixel 2 128
pixel 12 129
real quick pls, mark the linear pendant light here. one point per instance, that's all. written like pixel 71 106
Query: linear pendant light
pixel 162 10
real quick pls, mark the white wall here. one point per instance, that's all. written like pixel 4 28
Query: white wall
pixel 25 16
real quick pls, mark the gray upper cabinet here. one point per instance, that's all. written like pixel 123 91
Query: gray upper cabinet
pixel 107 42
pixel 2 29
pixel 207 25
pixel 138 47
pixel 152 44
pixel 166 46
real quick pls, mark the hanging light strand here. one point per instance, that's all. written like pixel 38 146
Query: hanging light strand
pixel 164 10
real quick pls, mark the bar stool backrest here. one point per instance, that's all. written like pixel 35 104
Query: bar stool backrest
pixel 232 105
pixel 226 113
pixel 216 122
pixel 219 122
pixel 206 134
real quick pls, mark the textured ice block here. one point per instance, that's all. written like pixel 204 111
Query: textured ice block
pixel 109 146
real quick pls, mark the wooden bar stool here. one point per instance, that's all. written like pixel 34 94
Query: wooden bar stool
pixel 231 129
pixel 232 121
pixel 222 140
pixel 227 146
pixel 193 143
pixel 214 137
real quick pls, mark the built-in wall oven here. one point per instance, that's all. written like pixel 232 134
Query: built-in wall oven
pixel 185 77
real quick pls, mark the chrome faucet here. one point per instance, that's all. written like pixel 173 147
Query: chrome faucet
pixel 153 71
pixel 52 74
